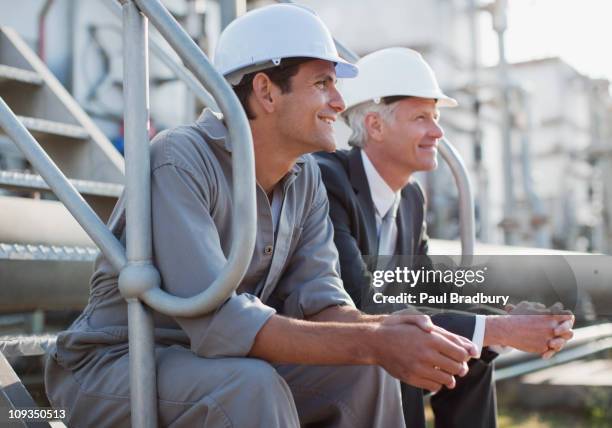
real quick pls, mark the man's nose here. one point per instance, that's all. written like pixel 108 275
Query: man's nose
pixel 337 102
pixel 436 131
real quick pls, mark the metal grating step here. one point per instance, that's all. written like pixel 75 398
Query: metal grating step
pixel 21 180
pixel 47 253
pixel 13 74
pixel 54 128
pixel 23 346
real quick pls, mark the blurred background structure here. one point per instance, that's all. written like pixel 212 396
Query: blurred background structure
pixel 534 127
pixel 535 134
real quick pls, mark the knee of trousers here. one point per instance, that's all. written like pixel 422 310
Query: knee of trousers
pixel 257 381
pixel 376 381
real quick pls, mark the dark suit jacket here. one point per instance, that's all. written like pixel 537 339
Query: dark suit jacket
pixel 353 214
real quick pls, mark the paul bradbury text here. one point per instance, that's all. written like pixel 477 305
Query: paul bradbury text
pixel 447 298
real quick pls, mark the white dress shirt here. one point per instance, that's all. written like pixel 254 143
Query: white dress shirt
pixel 384 197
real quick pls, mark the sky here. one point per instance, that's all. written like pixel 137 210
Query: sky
pixel 580 31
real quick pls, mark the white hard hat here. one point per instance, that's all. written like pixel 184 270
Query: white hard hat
pixel 261 38
pixel 393 72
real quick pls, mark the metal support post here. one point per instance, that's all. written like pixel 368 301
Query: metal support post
pixel 539 218
pixel 230 10
pixel 480 170
pixel 243 172
pixel 509 222
pixel 173 65
pixel 139 273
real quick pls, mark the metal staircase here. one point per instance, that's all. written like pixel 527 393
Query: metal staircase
pixel 37 233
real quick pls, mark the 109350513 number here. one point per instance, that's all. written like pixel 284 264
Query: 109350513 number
pixel 34 414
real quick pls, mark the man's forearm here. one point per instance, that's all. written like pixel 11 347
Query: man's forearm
pixel 496 331
pixel 345 314
pixel 287 340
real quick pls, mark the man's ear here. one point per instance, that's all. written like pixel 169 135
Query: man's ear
pixel 264 92
pixel 375 126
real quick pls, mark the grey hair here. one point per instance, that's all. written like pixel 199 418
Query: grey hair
pixel 355 119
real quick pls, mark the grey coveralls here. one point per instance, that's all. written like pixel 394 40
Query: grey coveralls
pixel 204 377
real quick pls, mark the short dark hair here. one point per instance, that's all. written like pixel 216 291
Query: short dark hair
pixel 394 99
pixel 280 75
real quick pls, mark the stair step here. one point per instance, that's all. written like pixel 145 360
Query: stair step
pixel 14 74
pixel 43 126
pixel 47 253
pixel 22 180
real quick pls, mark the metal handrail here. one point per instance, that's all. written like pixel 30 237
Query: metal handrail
pixel 62 188
pixel 243 172
pixel 467 222
pixel 139 280
pixel 179 70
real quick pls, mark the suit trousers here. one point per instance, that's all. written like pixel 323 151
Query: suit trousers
pixel 228 392
pixel 471 404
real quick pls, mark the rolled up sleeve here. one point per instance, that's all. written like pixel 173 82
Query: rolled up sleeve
pixel 312 281
pixel 189 256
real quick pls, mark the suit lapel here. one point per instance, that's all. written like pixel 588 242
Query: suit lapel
pixel 359 181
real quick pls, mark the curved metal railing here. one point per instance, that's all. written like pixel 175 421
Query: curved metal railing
pixel 138 279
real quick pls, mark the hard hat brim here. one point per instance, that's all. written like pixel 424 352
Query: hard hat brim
pixel 344 69
pixel 446 101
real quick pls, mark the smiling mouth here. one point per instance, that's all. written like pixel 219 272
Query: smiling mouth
pixel 328 120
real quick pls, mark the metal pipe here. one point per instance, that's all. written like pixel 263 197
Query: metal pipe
pixel 582 336
pixel 561 357
pixel 466 201
pixel 538 212
pixel 42 17
pixel 230 10
pixel 136 118
pixel 143 371
pixel 480 170
pixel 62 188
pixel 243 172
pixel 143 385
pixel 500 25
pixel 179 70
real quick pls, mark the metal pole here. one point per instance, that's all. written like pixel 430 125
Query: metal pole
pixel 466 202
pixel 243 172
pixel 139 271
pixel 230 10
pixel 178 69
pixel 509 222
pixel 481 172
pixel 62 188
pixel 538 212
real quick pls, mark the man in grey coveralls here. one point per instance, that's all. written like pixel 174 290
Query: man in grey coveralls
pixel 289 347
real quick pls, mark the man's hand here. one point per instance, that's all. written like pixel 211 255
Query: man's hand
pixel 562 333
pixel 421 354
pixel 531 327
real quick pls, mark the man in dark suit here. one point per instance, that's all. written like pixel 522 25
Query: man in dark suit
pixel 378 209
